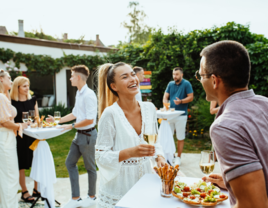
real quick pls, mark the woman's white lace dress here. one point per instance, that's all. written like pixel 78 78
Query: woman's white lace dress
pixel 115 133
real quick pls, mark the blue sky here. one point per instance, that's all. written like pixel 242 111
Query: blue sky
pixel 104 17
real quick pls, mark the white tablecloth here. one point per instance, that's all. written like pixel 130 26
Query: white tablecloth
pixel 43 168
pixel 165 135
pixel 146 193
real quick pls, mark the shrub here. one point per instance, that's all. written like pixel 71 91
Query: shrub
pixel 50 111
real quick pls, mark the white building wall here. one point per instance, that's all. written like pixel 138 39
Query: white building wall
pixel 41 50
pixel 61 85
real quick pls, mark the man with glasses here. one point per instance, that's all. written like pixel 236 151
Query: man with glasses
pixel 180 93
pixel 240 132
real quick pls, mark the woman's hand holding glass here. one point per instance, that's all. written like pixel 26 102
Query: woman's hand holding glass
pixel 143 150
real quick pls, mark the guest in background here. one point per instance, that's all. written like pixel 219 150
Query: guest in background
pixel 180 93
pixel 24 102
pixel 121 152
pixel 140 74
pixel 85 113
pixel 9 173
pixel 214 108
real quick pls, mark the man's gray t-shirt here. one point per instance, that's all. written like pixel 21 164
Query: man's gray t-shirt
pixel 240 137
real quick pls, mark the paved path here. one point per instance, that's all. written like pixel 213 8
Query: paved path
pixel 189 166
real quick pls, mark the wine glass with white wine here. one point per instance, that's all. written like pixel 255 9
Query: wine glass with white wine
pixel 57 116
pixel 31 115
pixel 207 162
pixel 150 133
pixel 25 117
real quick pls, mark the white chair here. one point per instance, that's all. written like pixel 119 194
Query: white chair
pixel 51 101
pixel 44 101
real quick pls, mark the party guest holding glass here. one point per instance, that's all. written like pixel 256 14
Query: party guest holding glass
pixel 121 152
pixel 180 93
pixel 240 132
pixel 9 173
pixel 24 102
pixel 85 113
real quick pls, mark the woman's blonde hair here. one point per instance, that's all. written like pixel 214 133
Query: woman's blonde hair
pixel 106 96
pixel 14 94
pixel 2 74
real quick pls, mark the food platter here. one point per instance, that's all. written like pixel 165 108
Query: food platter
pixel 200 194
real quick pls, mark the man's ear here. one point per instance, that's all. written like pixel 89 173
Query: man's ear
pixel 215 81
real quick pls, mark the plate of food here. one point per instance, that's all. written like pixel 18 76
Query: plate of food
pixel 198 194
pixel 49 125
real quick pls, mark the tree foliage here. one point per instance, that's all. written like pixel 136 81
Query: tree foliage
pixel 138 31
pixel 161 54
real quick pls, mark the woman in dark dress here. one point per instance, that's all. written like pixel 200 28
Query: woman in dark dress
pixel 23 102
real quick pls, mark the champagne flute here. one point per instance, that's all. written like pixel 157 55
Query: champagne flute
pixel 31 115
pixel 207 162
pixel 167 104
pixel 150 133
pixel 57 116
pixel 25 117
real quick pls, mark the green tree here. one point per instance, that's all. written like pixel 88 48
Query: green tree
pixel 138 31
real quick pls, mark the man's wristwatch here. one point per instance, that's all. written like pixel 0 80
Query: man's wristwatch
pixel 73 125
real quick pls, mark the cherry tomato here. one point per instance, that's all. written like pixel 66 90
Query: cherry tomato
pixel 203 195
pixel 222 196
pixel 210 191
pixel 198 189
pixel 186 188
pixel 192 197
pixel 185 194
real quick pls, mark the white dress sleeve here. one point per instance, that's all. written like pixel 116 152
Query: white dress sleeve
pixel 106 158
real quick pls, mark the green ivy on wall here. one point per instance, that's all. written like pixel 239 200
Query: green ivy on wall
pixel 161 54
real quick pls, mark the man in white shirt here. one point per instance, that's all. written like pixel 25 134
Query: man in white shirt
pixel 140 74
pixel 85 113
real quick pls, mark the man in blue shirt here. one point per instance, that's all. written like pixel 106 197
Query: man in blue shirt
pixel 180 93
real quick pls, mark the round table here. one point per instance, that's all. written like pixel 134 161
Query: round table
pixel 165 135
pixel 43 168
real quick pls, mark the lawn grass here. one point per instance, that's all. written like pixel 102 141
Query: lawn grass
pixel 60 147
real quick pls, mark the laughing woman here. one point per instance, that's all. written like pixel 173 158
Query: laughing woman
pixel 9 173
pixel 23 102
pixel 121 152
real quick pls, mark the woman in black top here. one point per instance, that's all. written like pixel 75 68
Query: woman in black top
pixel 23 102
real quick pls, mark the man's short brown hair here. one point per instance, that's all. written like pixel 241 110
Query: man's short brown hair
pixel 230 61
pixel 81 69
pixel 137 69
pixel 178 69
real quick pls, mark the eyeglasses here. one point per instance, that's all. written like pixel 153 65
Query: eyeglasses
pixel 199 76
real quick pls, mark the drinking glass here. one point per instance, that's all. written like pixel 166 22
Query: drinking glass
pixel 150 133
pixel 25 117
pixel 57 116
pixel 207 162
pixel 166 104
pixel 31 115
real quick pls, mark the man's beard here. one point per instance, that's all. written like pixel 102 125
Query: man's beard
pixel 178 80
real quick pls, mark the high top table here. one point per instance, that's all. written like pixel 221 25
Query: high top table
pixel 146 193
pixel 43 168
pixel 165 135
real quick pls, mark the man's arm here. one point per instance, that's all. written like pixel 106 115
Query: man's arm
pixel 83 123
pixel 250 190
pixel 166 96
pixel 188 99
pixel 65 119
